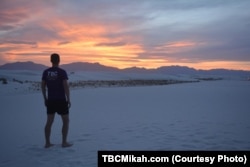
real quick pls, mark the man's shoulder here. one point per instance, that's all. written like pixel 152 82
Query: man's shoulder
pixel 62 73
pixel 61 69
pixel 47 69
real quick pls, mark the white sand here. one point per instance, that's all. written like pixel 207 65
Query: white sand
pixel 211 115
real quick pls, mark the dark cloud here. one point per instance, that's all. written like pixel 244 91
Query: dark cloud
pixel 31 54
pixel 6 27
pixel 12 13
pixel 6 49
pixel 112 44
pixel 17 42
pixel 64 42
pixel 223 37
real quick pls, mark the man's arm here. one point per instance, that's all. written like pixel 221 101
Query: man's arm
pixel 67 92
pixel 43 87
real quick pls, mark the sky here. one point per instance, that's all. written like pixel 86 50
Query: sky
pixel 203 34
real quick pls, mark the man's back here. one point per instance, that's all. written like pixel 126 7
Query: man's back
pixel 54 77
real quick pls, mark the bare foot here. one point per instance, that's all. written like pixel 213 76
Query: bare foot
pixel 67 145
pixel 48 145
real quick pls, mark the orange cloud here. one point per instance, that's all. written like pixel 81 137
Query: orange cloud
pixel 89 42
pixel 181 44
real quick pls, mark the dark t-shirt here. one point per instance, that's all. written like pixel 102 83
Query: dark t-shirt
pixel 53 78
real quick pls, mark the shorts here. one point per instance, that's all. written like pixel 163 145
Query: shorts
pixel 57 106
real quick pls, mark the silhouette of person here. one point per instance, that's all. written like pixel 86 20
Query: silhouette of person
pixel 56 94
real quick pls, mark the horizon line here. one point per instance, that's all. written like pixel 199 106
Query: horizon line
pixel 175 65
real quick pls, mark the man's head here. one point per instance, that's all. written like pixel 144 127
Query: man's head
pixel 55 58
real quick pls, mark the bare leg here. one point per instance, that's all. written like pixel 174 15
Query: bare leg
pixel 65 129
pixel 47 129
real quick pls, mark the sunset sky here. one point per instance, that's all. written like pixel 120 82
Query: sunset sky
pixel 202 34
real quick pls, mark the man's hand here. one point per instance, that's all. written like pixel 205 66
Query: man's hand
pixel 69 104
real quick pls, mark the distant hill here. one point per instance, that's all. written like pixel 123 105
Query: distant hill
pixel 77 66
pixel 23 66
pixel 191 71
pixel 83 66
pixel 177 70
pixel 137 70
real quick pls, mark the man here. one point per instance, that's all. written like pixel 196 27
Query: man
pixel 56 99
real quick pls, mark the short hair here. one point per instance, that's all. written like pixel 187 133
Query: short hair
pixel 55 58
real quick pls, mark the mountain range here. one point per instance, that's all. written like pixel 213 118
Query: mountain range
pixel 84 66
